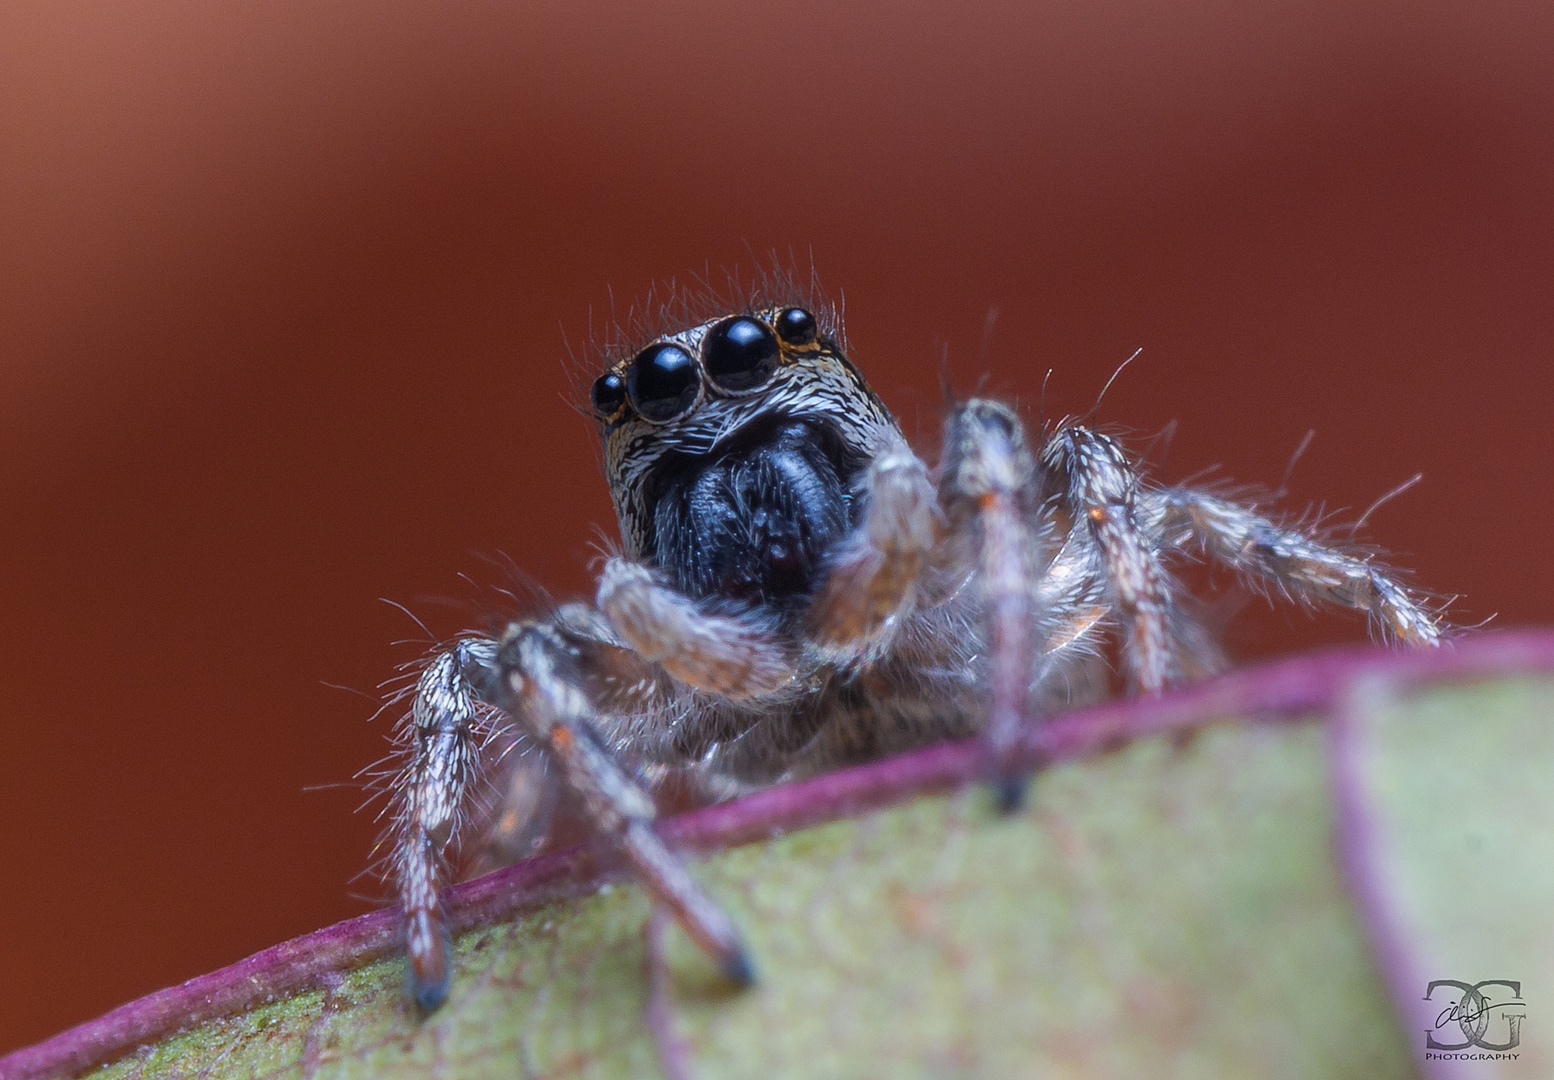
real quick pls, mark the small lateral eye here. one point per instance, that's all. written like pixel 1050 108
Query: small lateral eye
pixel 797 327
pixel 740 353
pixel 662 382
pixel 608 395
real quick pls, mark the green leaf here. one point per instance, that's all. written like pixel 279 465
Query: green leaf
pixel 1448 803
pixel 1170 907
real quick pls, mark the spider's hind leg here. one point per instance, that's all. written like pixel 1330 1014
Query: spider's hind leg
pixel 1303 569
pixel 526 794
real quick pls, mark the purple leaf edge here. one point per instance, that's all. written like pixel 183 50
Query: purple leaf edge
pixel 1359 834
pixel 1311 683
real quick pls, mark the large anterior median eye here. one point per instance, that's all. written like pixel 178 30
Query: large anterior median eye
pixel 662 382
pixel 740 353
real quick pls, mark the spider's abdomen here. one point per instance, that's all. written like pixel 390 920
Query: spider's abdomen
pixel 752 522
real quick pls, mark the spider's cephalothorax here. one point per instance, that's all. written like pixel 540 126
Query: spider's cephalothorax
pixel 736 451
pixel 798 589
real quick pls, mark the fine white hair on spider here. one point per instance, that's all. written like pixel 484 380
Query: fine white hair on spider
pixel 795 588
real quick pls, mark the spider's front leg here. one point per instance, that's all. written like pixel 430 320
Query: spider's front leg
pixel 988 488
pixel 1271 555
pixel 541 681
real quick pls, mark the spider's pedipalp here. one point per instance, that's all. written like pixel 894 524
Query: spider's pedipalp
pixel 873 573
pixel 1271 555
pixel 722 654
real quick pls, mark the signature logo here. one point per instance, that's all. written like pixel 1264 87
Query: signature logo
pixel 1489 1015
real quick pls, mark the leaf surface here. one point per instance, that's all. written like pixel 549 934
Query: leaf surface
pixel 1167 907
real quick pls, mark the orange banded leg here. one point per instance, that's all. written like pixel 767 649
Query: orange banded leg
pixel 985 488
pixel 540 680
pixel 1103 493
pixel 1288 560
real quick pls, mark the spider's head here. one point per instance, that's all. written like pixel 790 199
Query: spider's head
pixel 734 450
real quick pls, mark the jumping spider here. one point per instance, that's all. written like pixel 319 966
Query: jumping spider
pixel 795 589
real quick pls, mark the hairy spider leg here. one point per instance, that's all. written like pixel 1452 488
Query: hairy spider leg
pixel 986 487
pixel 447 726
pixel 1074 605
pixel 526 796
pixel 541 684
pixel 1102 493
pixel 1300 567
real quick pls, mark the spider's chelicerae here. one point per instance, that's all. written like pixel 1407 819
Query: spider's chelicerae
pixel 796 589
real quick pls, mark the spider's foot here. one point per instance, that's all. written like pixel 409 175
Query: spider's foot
pixel 1006 772
pixel 738 969
pixel 1009 793
pixel 429 971
pixel 427 993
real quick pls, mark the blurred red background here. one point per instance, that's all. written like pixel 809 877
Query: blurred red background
pixel 282 293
